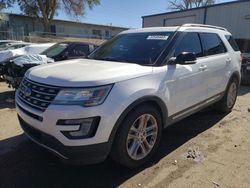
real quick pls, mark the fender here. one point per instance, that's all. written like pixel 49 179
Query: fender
pixel 146 99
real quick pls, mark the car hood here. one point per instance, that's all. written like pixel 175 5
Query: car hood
pixel 86 72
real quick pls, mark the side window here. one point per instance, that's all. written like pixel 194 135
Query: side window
pixel 189 43
pixel 212 44
pixel 79 50
pixel 232 42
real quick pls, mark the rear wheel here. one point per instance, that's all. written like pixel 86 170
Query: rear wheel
pixel 138 137
pixel 227 103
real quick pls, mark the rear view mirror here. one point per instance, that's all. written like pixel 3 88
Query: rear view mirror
pixel 185 58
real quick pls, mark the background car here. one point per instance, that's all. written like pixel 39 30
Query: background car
pixel 69 50
pixel 9 41
pixel 12 46
pixel 244 46
pixel 14 68
pixel 13 50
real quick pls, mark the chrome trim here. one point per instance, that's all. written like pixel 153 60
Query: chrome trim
pixel 197 106
pixel 41 84
pixel 25 101
pixel 41 95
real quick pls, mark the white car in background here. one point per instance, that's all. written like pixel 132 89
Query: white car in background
pixel 9 41
pixel 23 49
pixel 12 45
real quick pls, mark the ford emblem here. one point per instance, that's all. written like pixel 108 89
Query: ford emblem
pixel 26 91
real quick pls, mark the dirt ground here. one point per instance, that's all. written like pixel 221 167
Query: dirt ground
pixel 205 150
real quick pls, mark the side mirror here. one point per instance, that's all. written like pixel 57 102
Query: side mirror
pixel 185 58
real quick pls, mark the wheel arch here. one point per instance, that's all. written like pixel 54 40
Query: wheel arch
pixel 152 100
pixel 236 75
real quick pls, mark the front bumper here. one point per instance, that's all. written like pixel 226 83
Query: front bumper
pixel 47 121
pixel 68 154
pixel 42 128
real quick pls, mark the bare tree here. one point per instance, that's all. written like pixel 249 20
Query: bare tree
pixel 188 4
pixel 47 9
pixel 6 3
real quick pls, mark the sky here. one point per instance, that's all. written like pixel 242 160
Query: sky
pixel 126 13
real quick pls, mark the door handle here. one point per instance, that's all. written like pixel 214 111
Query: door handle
pixel 203 67
pixel 228 60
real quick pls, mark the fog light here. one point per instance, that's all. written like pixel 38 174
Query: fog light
pixel 84 128
pixel 87 128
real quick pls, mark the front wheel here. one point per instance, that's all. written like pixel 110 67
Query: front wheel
pixel 227 103
pixel 138 137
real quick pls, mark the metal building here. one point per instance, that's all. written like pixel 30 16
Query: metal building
pixel 235 16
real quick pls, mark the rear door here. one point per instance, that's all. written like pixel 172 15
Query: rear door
pixel 217 63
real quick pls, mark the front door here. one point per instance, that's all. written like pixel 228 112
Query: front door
pixel 186 83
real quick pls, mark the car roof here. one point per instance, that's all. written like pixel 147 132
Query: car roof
pixel 151 29
pixel 87 43
pixel 185 27
pixel 22 43
pixel 14 41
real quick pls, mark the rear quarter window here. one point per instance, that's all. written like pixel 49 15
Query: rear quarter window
pixel 232 42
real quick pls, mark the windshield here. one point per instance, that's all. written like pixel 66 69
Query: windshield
pixel 55 50
pixel 140 48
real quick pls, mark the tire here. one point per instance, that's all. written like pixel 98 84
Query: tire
pixel 245 80
pixel 226 104
pixel 130 147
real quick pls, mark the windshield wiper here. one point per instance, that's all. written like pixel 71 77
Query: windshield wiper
pixel 111 59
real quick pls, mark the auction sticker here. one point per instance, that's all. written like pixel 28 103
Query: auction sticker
pixel 157 37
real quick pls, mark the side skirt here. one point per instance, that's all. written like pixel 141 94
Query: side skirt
pixel 193 109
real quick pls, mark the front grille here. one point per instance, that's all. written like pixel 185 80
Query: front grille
pixel 36 95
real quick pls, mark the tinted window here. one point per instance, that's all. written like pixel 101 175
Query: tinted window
pixel 232 42
pixel 55 50
pixel 79 50
pixel 141 48
pixel 189 43
pixel 212 44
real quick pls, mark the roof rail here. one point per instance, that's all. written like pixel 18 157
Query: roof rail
pixel 207 26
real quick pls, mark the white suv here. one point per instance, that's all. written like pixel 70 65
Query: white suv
pixel 117 102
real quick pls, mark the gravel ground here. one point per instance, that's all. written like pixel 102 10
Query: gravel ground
pixel 205 150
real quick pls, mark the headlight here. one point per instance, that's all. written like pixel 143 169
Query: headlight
pixel 84 97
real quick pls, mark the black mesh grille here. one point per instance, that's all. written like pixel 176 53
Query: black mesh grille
pixel 36 95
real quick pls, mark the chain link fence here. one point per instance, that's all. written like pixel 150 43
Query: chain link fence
pixel 8 35
pixel 61 37
pixel 41 37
